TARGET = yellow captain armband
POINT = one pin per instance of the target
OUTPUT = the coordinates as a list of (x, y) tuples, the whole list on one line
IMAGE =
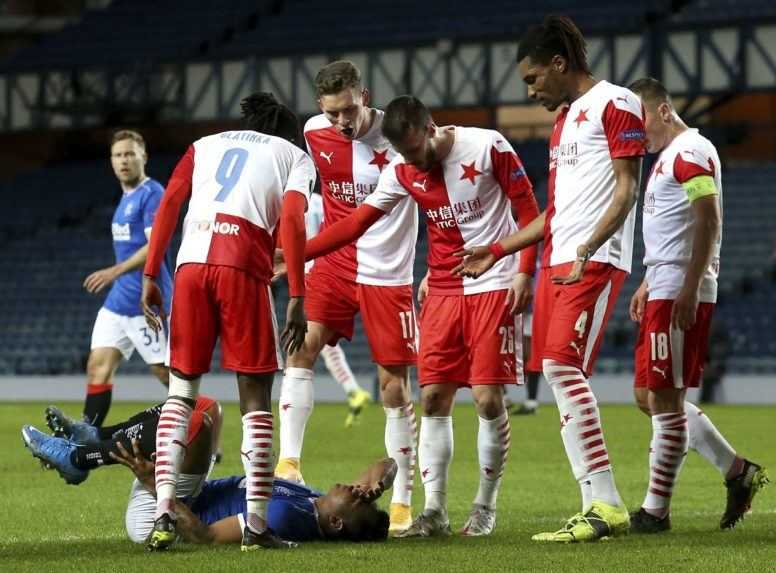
[(700, 186)]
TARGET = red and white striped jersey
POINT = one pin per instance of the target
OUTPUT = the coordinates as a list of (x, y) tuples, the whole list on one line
[(668, 217), (606, 123), (467, 200), (349, 171), (237, 187)]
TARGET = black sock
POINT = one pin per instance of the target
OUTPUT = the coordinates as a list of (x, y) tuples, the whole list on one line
[(92, 456), (97, 403), (107, 432), (533, 385)]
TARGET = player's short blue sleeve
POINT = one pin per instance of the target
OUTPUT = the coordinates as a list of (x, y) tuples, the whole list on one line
[(151, 203)]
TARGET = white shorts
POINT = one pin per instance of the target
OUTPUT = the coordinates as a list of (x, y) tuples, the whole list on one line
[(139, 519), (127, 333)]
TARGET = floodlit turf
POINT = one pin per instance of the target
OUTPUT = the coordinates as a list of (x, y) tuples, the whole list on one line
[(48, 526)]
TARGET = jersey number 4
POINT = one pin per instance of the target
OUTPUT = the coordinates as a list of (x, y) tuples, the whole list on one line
[(229, 170)]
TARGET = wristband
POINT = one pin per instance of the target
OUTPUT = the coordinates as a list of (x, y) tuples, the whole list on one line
[(497, 250)]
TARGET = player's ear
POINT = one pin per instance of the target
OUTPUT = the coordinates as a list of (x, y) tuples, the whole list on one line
[(559, 63), (336, 522), (365, 97)]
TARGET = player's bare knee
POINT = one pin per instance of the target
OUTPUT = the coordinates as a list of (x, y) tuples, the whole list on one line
[(642, 400), (489, 403), (436, 402), (99, 370), (161, 372), (394, 389)]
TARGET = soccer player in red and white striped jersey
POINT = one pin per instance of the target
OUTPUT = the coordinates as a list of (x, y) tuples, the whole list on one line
[(595, 160), (674, 305), (471, 186), (371, 276), (239, 185)]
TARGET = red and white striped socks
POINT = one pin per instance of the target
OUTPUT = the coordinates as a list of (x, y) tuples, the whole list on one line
[(170, 447), (338, 367), (296, 406), (493, 441), (435, 452), (400, 428), (256, 455), (667, 454), (580, 429)]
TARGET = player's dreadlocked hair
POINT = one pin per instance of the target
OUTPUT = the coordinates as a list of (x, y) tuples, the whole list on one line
[(402, 114), (262, 112), (556, 36)]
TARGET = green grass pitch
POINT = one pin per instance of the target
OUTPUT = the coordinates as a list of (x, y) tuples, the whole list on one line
[(47, 526)]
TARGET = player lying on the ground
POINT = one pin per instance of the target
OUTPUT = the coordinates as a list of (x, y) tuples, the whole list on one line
[(217, 514), (674, 306), (78, 447)]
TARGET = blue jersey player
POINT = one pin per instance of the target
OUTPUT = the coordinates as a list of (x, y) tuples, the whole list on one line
[(120, 328), (216, 514)]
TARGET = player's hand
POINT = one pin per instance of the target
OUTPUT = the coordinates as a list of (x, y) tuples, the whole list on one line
[(577, 269), (519, 295), (423, 290), (99, 280), (639, 302), (684, 310), (476, 261), (372, 491), (152, 304), (137, 462), (278, 265), (294, 333)]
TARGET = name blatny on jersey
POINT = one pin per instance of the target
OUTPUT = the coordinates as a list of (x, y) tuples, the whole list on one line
[(246, 136), (349, 192), (449, 216), (564, 155)]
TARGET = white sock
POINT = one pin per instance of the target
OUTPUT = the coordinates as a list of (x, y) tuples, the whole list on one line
[(170, 448), (493, 441), (400, 430), (586, 491), (533, 404), (256, 455), (338, 367), (295, 405), (435, 452), (669, 443), (581, 430), (707, 441)]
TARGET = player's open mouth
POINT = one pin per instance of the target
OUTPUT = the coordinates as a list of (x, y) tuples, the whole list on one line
[(347, 131)]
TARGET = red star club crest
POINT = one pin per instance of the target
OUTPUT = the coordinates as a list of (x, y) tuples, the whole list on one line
[(469, 172), (380, 159), (581, 118)]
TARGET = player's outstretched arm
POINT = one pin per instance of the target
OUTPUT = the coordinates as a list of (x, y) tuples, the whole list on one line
[(292, 236), (192, 529), (376, 479), (627, 174), (477, 260), (177, 193), (343, 232)]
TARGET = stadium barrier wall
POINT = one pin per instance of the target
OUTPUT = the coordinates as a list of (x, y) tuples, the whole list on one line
[(609, 388)]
